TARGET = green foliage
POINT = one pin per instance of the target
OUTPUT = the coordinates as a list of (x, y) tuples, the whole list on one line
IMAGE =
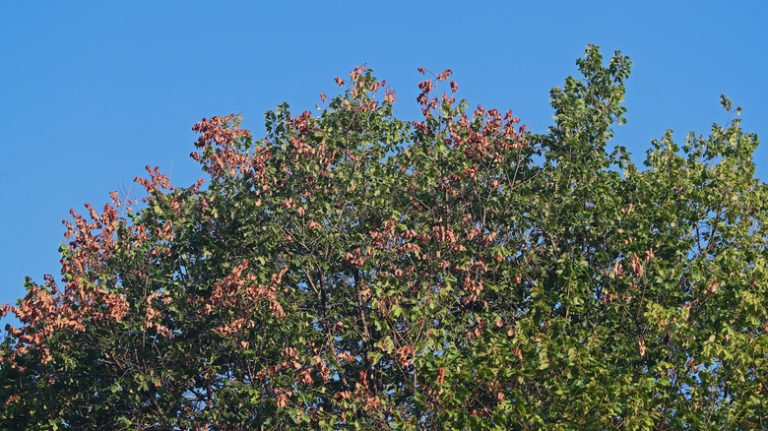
[(356, 271)]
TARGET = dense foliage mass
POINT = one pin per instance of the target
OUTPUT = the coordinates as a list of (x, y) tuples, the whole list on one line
[(355, 271)]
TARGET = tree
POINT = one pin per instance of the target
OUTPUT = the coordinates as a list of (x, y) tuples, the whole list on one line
[(352, 270)]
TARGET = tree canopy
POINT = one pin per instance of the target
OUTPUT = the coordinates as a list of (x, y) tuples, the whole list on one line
[(353, 270)]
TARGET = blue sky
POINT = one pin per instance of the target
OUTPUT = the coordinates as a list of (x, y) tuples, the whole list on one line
[(92, 91)]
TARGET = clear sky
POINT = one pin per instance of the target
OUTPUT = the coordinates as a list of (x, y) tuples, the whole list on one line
[(92, 91)]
